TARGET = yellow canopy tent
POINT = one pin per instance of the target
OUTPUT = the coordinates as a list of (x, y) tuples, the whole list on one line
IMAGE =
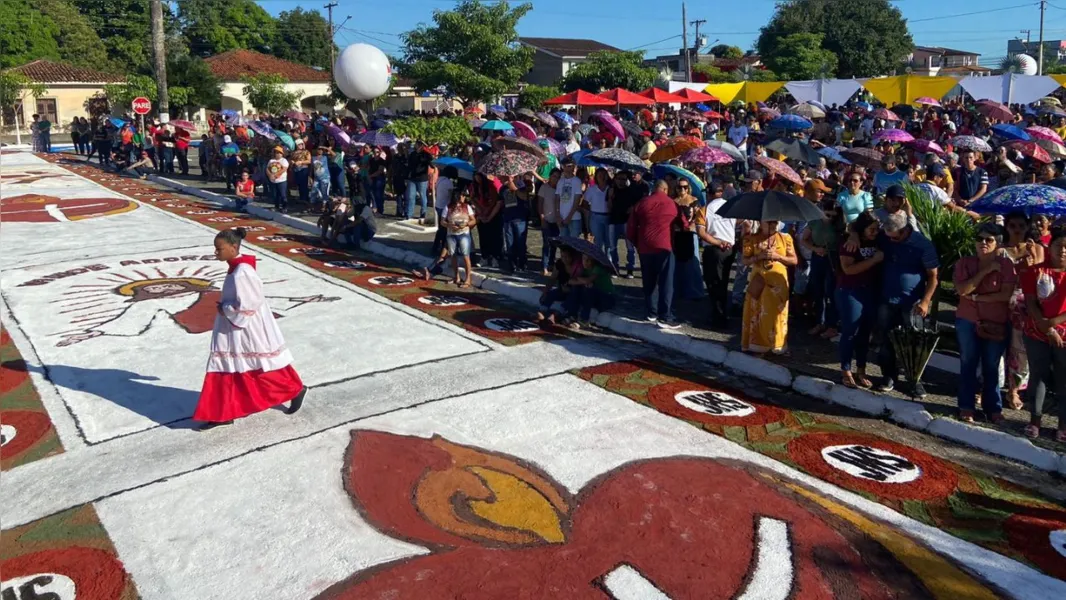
[(747, 91), (905, 88), (725, 92)]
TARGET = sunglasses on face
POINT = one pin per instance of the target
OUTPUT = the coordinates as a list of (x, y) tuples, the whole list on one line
[(986, 240), (856, 181), (682, 187)]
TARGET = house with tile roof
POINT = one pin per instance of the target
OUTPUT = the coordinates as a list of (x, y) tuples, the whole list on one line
[(234, 66), (554, 57), (66, 89)]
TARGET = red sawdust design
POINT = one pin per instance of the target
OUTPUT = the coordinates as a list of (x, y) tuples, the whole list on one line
[(33, 208), (21, 408), (663, 397), (1030, 535), (614, 368)]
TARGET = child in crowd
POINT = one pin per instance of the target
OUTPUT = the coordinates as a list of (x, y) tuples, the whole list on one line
[(566, 267), (593, 288), (320, 175)]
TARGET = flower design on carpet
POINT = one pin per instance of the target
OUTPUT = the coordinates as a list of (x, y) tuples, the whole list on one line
[(37, 208), (498, 527), (26, 431)]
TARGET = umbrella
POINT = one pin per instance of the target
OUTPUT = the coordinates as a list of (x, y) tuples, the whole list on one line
[(600, 113), (586, 128), (379, 124), (545, 118), (286, 140), (1010, 132), (525, 112), (904, 110), (728, 148), (884, 113), (713, 115), (1057, 151), (384, 112), (1032, 150), (969, 142), (674, 147), (612, 125), (564, 118), (376, 137), (692, 96), (769, 205), (262, 129), (1043, 133), (863, 156), (691, 115), (1053, 110), (297, 115), (703, 107), (619, 159), (117, 122), (864, 105), (660, 171), (780, 169), (794, 149), (791, 123), (1030, 198), (1050, 100), (896, 136), (623, 97), (338, 134), (769, 113), (229, 112), (362, 116), (834, 155), (186, 125), (580, 98), (463, 168), (632, 128), (518, 144), (554, 146), (524, 130), (496, 109), (808, 111), (995, 110), (926, 146), (476, 123), (913, 346), (510, 163), (581, 158), (586, 248), (707, 155), (497, 126), (927, 101)]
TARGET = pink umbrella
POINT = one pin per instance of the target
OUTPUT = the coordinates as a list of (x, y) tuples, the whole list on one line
[(524, 130), (926, 146), (297, 116), (612, 125), (707, 155), (600, 113), (896, 136), (780, 169), (884, 113), (339, 134), (1040, 133), (190, 127), (926, 100)]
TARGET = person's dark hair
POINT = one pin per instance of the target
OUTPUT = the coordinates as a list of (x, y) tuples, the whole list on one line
[(1057, 233), (991, 229), (861, 222), (233, 236), (838, 219), (554, 171)]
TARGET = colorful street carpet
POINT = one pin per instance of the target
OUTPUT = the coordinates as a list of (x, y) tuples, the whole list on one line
[(26, 433)]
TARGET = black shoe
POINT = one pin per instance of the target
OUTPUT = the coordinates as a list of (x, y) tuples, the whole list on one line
[(918, 391), (213, 424), (669, 324), (886, 385), (297, 402)]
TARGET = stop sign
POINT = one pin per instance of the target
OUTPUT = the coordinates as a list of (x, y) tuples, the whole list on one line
[(142, 105)]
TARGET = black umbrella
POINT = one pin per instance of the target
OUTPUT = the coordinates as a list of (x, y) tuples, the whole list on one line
[(795, 149), (587, 248), (632, 128), (863, 156), (770, 206)]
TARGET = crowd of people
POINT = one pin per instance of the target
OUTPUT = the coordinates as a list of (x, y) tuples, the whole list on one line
[(862, 270)]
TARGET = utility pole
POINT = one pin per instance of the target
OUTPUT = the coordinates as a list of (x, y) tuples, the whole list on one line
[(1040, 53), (332, 52), (684, 40), (696, 42), (159, 60)]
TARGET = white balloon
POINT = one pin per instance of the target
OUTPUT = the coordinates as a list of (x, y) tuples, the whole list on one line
[(362, 72), (1028, 64)]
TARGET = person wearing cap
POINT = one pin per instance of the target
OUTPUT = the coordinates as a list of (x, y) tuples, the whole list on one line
[(985, 283), (853, 199), (896, 201), (908, 280), (717, 235), (647, 148), (230, 153)]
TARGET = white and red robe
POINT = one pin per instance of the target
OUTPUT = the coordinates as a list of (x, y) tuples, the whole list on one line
[(250, 368)]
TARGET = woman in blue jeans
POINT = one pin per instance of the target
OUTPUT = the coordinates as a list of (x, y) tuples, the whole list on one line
[(985, 283), (857, 297)]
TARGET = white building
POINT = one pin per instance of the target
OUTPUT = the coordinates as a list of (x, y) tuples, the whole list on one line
[(233, 66)]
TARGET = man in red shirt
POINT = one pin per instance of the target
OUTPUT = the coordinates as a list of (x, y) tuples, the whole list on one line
[(650, 228)]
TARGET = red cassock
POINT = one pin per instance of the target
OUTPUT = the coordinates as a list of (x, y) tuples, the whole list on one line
[(250, 368)]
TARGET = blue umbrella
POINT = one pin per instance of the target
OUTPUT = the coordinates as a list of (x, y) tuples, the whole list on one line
[(229, 112), (562, 117), (581, 159), (1011, 132), (864, 105), (497, 109), (703, 107), (833, 154), (465, 169), (661, 170), (286, 140), (791, 122), (1029, 198), (378, 123), (497, 126), (117, 122), (626, 113), (376, 137)]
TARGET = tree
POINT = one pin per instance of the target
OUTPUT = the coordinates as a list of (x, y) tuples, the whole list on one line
[(216, 26), (471, 51), (800, 56), (267, 94), (453, 131), (609, 69), (869, 37), (26, 34), (121, 95), (191, 73), (15, 88), (298, 41), (78, 42), (533, 96), (124, 28), (744, 73), (726, 51)]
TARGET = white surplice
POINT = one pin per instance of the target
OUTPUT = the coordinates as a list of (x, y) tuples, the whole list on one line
[(246, 337)]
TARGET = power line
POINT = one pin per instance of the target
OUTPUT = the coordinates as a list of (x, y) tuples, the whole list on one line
[(673, 37), (967, 14)]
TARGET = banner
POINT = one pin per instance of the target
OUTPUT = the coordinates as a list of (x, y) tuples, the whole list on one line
[(747, 92), (1010, 88), (905, 88), (826, 91)]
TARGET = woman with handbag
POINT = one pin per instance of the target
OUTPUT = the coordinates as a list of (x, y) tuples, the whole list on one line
[(1044, 287), (985, 283)]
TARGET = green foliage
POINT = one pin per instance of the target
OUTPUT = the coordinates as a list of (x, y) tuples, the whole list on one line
[(303, 37), (744, 73), (125, 30), (952, 232), (726, 51), (15, 88), (534, 96), (25, 34), (453, 131), (121, 95), (713, 73), (267, 94), (197, 84), (800, 56), (607, 70), (216, 26), (869, 37), (472, 51), (78, 42)]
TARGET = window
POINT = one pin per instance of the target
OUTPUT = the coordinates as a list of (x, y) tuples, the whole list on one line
[(46, 107)]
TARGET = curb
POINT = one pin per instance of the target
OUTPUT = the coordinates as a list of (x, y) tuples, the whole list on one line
[(902, 412)]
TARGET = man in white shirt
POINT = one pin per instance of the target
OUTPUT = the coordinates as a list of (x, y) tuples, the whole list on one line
[(718, 236), (568, 195), (738, 136)]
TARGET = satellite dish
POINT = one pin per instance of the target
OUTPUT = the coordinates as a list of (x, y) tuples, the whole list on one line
[(1027, 63)]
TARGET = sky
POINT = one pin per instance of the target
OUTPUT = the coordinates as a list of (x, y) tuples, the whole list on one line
[(981, 26)]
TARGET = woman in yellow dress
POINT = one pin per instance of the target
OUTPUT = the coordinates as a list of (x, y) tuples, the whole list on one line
[(768, 253)]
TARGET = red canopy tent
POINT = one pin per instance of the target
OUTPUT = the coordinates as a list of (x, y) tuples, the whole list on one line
[(623, 97), (694, 97), (580, 98), (662, 96)]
